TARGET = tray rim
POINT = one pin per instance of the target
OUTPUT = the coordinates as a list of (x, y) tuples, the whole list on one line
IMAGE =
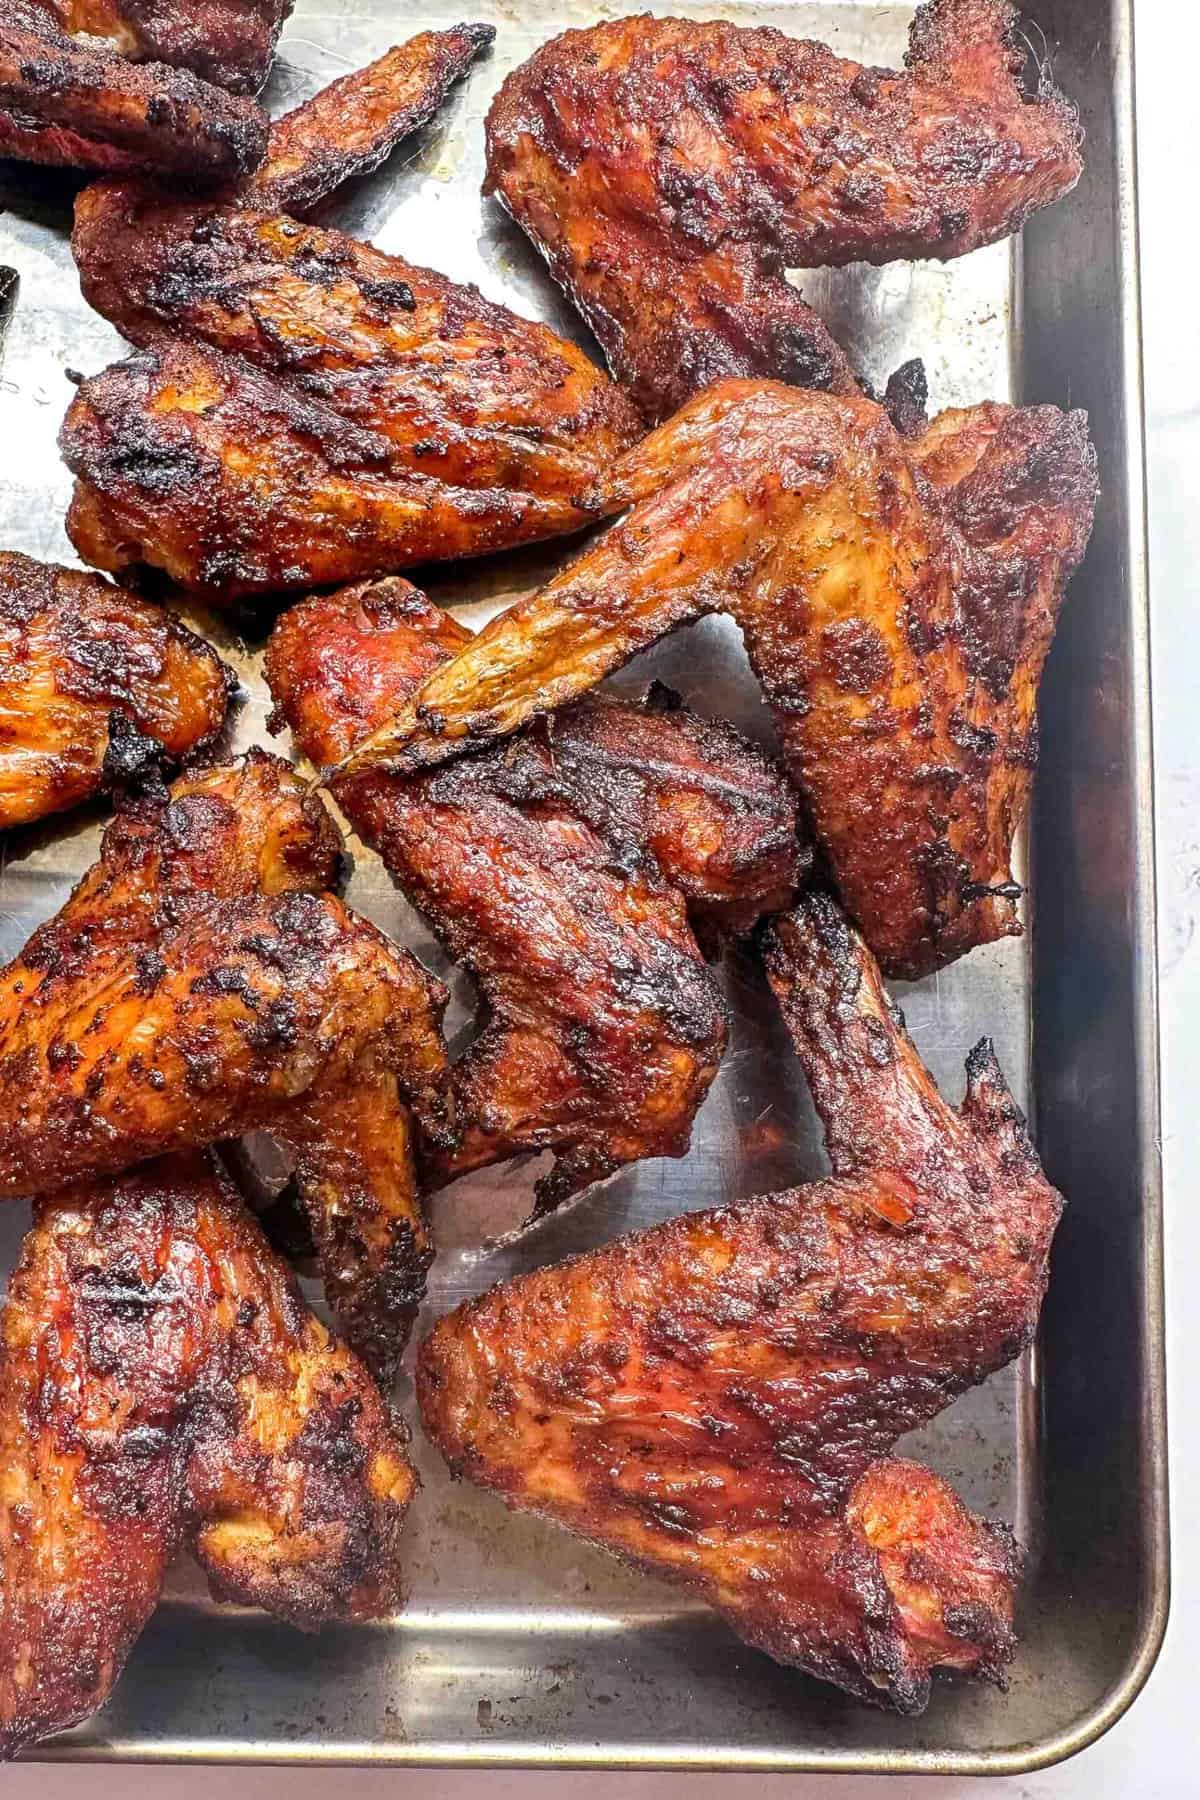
[(1101, 1716)]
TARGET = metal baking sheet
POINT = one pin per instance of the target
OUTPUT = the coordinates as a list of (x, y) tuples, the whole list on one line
[(517, 1644)]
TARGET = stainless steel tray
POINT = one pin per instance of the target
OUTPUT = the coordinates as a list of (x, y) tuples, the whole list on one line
[(517, 1644)]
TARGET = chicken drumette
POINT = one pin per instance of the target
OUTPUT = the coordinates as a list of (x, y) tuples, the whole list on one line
[(94, 684), (561, 871), (716, 1399), (201, 983), (898, 598), (162, 1384), (307, 409), (669, 170)]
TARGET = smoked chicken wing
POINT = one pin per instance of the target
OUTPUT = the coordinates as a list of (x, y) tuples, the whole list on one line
[(201, 983), (85, 106), (348, 128), (669, 170), (163, 1385), (229, 42), (560, 870), (716, 1399), (898, 599), (307, 409), (93, 683)]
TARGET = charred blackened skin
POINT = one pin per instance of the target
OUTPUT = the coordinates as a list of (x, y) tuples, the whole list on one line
[(569, 871), (350, 127), (164, 1386), (898, 598), (200, 983), (717, 1399), (906, 398), (84, 105), (96, 687), (670, 170), (388, 416), (229, 42)]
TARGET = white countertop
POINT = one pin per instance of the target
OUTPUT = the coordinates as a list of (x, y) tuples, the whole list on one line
[(1154, 1754)]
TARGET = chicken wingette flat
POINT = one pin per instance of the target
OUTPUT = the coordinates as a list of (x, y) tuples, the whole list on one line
[(85, 106), (307, 409), (897, 597), (162, 1386), (560, 870), (201, 983), (94, 683), (229, 42), (670, 170), (717, 1399)]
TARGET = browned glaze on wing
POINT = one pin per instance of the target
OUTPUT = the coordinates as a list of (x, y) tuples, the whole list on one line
[(87, 107), (235, 482), (106, 1061), (201, 983), (344, 130), (559, 870), (162, 1384), (897, 597), (314, 410), (229, 42), (670, 170), (351, 126), (356, 1180), (716, 1399), (469, 424), (92, 682)]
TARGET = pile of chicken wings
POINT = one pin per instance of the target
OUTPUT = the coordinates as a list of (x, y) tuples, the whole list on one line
[(304, 417)]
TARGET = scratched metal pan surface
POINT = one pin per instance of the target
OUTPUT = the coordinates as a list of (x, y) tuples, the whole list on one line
[(518, 1645)]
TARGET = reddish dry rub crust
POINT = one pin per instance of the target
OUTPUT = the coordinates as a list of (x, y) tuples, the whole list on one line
[(344, 130), (898, 598), (204, 1036), (670, 170), (460, 431), (93, 682), (313, 410), (163, 1385), (201, 983), (88, 108), (716, 1399), (357, 1182), (559, 870), (351, 126), (423, 376), (229, 42)]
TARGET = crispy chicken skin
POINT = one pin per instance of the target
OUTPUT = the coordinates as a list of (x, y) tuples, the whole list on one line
[(309, 410), (93, 682), (235, 482), (716, 1399), (559, 870), (669, 170), (105, 1061), (229, 42), (343, 131), (351, 126), (898, 599), (162, 1385), (356, 1180), (200, 983), (88, 108)]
